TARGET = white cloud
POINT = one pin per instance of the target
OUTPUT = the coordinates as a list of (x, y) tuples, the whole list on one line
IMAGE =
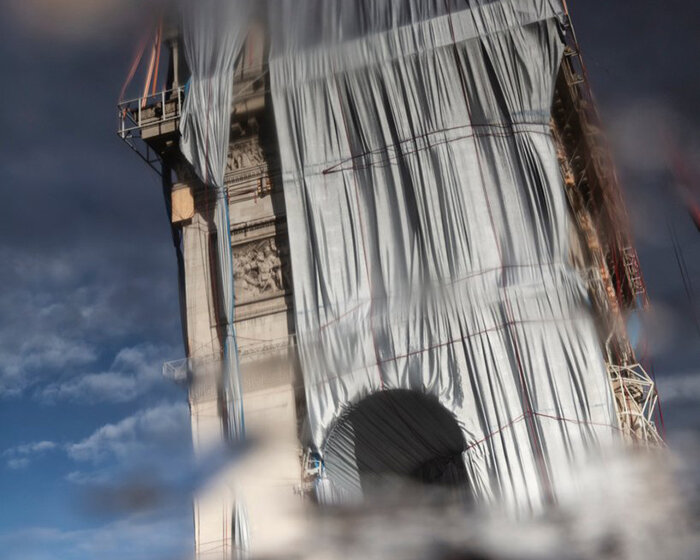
[(136, 438), (18, 463), (81, 478), (23, 364), (133, 372), (20, 456), (145, 454), (35, 447), (156, 437), (59, 309)]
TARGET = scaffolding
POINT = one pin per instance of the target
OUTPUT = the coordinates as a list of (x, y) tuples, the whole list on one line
[(144, 119), (615, 282)]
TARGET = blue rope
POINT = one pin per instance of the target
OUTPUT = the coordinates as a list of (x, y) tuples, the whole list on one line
[(231, 354)]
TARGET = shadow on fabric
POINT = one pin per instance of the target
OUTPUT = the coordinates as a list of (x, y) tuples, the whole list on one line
[(395, 436)]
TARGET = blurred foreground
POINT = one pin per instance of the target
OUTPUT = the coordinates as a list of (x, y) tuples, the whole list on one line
[(642, 505)]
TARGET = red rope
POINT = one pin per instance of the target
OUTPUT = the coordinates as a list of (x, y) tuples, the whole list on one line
[(576, 421), (495, 432), (134, 64), (159, 39), (507, 133), (149, 73)]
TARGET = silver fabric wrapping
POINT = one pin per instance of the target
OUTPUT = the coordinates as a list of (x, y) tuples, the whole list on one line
[(213, 33), (428, 229)]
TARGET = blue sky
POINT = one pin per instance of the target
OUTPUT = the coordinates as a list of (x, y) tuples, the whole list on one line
[(88, 305)]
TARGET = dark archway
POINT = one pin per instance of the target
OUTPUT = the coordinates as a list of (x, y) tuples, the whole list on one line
[(395, 434)]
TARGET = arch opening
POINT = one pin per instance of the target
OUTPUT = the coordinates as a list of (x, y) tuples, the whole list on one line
[(396, 435)]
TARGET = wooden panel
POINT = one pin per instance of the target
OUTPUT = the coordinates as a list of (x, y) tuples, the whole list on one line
[(183, 203)]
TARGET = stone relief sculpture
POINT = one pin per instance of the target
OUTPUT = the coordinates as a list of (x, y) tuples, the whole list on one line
[(244, 155), (258, 270)]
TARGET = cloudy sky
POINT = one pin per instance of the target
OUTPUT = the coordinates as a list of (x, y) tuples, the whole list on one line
[(88, 304)]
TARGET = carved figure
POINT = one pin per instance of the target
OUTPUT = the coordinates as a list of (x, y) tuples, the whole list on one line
[(258, 270)]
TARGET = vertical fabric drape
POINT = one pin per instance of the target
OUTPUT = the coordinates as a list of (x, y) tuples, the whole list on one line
[(428, 229), (214, 32)]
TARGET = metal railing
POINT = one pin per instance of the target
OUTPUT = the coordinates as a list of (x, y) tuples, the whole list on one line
[(149, 112), (177, 370), (135, 114), (165, 106), (153, 110)]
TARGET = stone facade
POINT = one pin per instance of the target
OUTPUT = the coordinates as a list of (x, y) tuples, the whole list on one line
[(267, 482)]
